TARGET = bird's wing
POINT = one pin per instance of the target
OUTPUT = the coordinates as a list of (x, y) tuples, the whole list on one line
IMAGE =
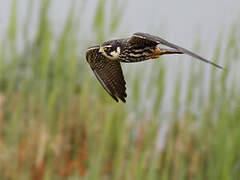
[(139, 41), (145, 38), (108, 72)]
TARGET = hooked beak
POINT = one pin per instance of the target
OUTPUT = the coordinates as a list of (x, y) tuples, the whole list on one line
[(101, 50)]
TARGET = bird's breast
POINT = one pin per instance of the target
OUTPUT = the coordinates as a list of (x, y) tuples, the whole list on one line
[(136, 54)]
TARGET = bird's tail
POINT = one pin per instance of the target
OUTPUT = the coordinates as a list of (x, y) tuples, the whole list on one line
[(158, 52), (169, 51)]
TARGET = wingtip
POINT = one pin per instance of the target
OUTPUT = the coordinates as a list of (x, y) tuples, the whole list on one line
[(123, 100), (217, 66), (224, 69), (116, 99)]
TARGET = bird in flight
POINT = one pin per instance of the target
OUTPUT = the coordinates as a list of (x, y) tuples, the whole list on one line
[(105, 59)]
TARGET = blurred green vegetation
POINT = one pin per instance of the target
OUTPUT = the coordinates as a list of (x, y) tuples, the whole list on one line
[(57, 122)]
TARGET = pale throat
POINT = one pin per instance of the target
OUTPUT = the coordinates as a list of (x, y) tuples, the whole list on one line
[(114, 54)]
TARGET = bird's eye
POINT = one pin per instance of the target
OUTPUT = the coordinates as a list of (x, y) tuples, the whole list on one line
[(107, 48)]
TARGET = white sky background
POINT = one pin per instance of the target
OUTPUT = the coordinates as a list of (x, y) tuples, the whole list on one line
[(177, 17), (180, 21)]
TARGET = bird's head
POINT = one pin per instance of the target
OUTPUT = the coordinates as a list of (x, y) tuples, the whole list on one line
[(110, 49)]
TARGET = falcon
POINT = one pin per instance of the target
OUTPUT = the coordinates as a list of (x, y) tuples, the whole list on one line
[(105, 59)]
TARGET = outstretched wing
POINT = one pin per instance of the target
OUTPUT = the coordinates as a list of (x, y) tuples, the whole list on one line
[(108, 72), (146, 39)]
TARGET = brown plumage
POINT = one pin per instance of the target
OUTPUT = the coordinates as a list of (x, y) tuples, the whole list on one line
[(105, 60), (108, 72)]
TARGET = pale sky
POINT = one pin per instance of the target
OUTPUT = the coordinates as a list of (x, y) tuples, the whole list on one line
[(176, 18)]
